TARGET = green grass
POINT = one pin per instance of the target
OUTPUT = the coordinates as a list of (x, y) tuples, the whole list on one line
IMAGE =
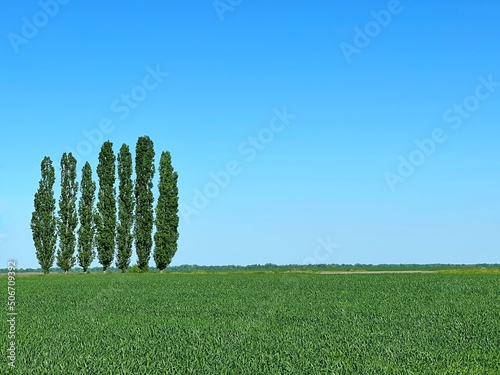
[(257, 323), (472, 271)]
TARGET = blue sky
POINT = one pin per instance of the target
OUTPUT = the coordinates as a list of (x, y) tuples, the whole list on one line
[(340, 132)]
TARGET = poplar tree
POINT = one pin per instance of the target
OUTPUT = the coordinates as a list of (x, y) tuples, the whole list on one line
[(68, 216), (105, 217), (86, 209), (43, 218), (125, 208), (144, 172), (167, 218)]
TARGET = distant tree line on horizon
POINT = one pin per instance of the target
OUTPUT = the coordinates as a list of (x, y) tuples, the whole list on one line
[(113, 222), (287, 267)]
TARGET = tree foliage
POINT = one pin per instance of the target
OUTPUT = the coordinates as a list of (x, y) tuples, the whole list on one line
[(86, 209), (108, 222), (43, 218), (143, 228), (105, 217), (167, 219), (68, 216), (125, 209)]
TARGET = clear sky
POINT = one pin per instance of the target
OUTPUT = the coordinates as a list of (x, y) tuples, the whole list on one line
[(302, 131)]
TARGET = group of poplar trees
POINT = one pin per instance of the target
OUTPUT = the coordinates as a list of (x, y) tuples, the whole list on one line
[(113, 222)]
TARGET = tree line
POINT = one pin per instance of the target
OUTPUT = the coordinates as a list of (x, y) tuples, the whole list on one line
[(113, 221)]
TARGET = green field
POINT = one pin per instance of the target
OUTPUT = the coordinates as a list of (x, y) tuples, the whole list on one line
[(256, 323)]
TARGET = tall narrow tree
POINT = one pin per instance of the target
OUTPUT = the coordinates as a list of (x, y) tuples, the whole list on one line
[(144, 172), (125, 208), (167, 218), (105, 217), (68, 216), (43, 218), (86, 231)]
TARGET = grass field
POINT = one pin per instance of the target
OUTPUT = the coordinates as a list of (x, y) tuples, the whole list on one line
[(256, 323)]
